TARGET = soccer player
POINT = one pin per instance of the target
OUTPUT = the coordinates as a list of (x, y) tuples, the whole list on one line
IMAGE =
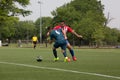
[(60, 41), (66, 29), (34, 40)]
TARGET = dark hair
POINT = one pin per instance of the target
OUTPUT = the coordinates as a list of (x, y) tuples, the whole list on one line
[(62, 21), (48, 28)]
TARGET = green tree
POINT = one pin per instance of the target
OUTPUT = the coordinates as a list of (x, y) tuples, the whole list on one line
[(25, 30), (98, 37), (7, 28), (46, 21), (84, 16), (8, 12), (111, 36)]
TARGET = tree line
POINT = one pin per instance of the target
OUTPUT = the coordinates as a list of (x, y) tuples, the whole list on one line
[(86, 17)]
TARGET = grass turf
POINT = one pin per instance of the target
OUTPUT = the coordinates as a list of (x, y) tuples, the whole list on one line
[(100, 61)]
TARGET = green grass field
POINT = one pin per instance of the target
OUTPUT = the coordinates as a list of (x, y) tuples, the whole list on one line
[(91, 64)]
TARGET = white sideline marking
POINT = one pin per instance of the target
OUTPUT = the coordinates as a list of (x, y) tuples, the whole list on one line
[(65, 70)]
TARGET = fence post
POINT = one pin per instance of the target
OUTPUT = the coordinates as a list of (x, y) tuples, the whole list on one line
[(0, 43)]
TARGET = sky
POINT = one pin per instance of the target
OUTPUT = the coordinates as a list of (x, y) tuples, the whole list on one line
[(47, 6)]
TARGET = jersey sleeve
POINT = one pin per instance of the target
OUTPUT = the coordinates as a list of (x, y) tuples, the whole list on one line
[(51, 36), (56, 27), (69, 29)]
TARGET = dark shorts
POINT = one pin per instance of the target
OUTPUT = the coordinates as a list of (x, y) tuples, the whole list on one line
[(60, 44), (67, 41), (34, 42)]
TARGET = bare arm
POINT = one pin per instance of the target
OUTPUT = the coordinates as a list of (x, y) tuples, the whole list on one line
[(79, 36), (64, 33)]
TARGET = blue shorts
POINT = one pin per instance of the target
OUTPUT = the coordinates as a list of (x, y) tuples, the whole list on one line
[(67, 41), (61, 44)]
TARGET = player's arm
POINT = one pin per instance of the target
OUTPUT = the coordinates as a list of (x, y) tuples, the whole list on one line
[(48, 34), (51, 39), (73, 32), (64, 33), (37, 40), (76, 34)]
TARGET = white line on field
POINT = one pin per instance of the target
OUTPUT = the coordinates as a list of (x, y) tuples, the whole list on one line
[(65, 70)]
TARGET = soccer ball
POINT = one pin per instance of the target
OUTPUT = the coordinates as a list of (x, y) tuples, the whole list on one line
[(39, 59)]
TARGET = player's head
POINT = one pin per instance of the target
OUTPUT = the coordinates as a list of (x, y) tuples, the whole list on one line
[(49, 29), (62, 23), (34, 34)]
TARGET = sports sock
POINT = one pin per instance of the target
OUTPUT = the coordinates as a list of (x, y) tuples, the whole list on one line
[(64, 53), (71, 52), (55, 53), (34, 46)]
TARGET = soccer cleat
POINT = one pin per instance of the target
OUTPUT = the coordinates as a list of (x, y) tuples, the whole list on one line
[(74, 58), (67, 59), (56, 59)]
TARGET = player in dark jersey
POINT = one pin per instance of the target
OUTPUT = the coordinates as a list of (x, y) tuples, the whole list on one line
[(60, 41)]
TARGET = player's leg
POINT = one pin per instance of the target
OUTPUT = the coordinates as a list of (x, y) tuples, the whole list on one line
[(35, 44), (64, 53), (55, 46), (71, 51), (63, 47), (66, 59)]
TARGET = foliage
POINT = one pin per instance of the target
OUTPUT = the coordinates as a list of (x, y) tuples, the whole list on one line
[(24, 30), (7, 28), (46, 21), (8, 11), (85, 16), (112, 36)]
